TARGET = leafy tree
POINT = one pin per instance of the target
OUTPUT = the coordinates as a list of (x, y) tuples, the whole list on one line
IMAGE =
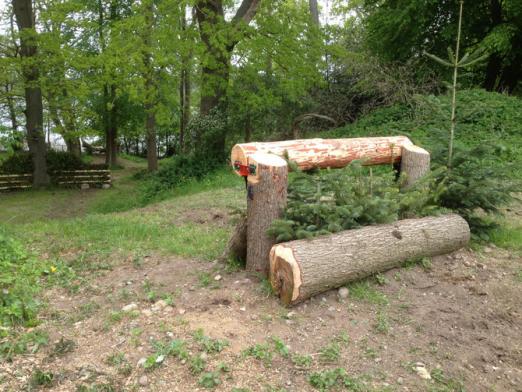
[(23, 11), (399, 30)]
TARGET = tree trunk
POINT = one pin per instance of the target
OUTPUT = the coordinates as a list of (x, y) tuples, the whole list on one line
[(152, 153), (33, 95), (324, 153), (303, 268), (184, 90), (415, 164), (215, 66), (314, 11), (150, 90), (237, 244), (266, 200), (11, 108)]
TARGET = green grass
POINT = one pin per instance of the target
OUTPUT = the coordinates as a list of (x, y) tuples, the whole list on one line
[(133, 158), (364, 291), (507, 236)]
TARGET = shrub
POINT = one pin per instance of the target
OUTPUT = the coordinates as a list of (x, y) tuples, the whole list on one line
[(488, 148), (21, 162), (19, 276), (333, 200), (177, 171)]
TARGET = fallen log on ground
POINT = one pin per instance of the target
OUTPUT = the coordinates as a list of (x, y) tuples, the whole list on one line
[(266, 200), (325, 153), (300, 269)]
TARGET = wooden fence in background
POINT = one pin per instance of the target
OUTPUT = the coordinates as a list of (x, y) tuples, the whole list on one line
[(85, 178)]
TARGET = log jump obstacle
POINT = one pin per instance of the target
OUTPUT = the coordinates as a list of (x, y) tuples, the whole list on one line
[(300, 269)]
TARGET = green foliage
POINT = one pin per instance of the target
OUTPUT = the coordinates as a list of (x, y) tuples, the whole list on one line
[(335, 378), (177, 171), (14, 343), (364, 291), (335, 200), (260, 351), (21, 162), (281, 347), (303, 361), (330, 353), (209, 380), (41, 378), (487, 148), (208, 344), (19, 283), (197, 364)]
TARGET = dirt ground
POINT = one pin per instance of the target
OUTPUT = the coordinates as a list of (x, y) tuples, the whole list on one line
[(461, 316), (452, 325)]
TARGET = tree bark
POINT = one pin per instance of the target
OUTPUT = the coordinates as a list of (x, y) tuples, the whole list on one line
[(150, 90), (184, 89), (215, 65), (237, 244), (415, 164), (324, 153), (23, 11), (303, 268), (314, 11), (11, 108), (266, 200)]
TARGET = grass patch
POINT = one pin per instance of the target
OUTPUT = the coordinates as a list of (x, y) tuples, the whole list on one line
[(108, 233), (507, 236), (364, 291)]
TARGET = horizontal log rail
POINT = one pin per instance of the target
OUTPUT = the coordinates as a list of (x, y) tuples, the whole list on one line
[(323, 153)]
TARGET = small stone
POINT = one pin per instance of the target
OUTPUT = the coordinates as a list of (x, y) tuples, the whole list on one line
[(343, 293), (400, 380), (182, 311), (142, 361), (168, 309), (203, 356), (288, 383), (129, 307), (422, 372), (217, 278), (323, 299), (160, 359), (290, 315), (487, 249), (242, 308), (106, 186), (161, 304), (331, 309), (143, 380), (170, 334)]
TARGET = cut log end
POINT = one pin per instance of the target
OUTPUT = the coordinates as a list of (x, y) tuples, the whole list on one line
[(268, 162), (285, 274)]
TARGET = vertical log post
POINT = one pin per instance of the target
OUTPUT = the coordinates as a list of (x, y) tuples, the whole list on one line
[(266, 200), (415, 163)]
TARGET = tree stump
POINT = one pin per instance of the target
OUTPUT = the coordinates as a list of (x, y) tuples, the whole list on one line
[(326, 153), (300, 269), (266, 200), (415, 164), (237, 243)]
